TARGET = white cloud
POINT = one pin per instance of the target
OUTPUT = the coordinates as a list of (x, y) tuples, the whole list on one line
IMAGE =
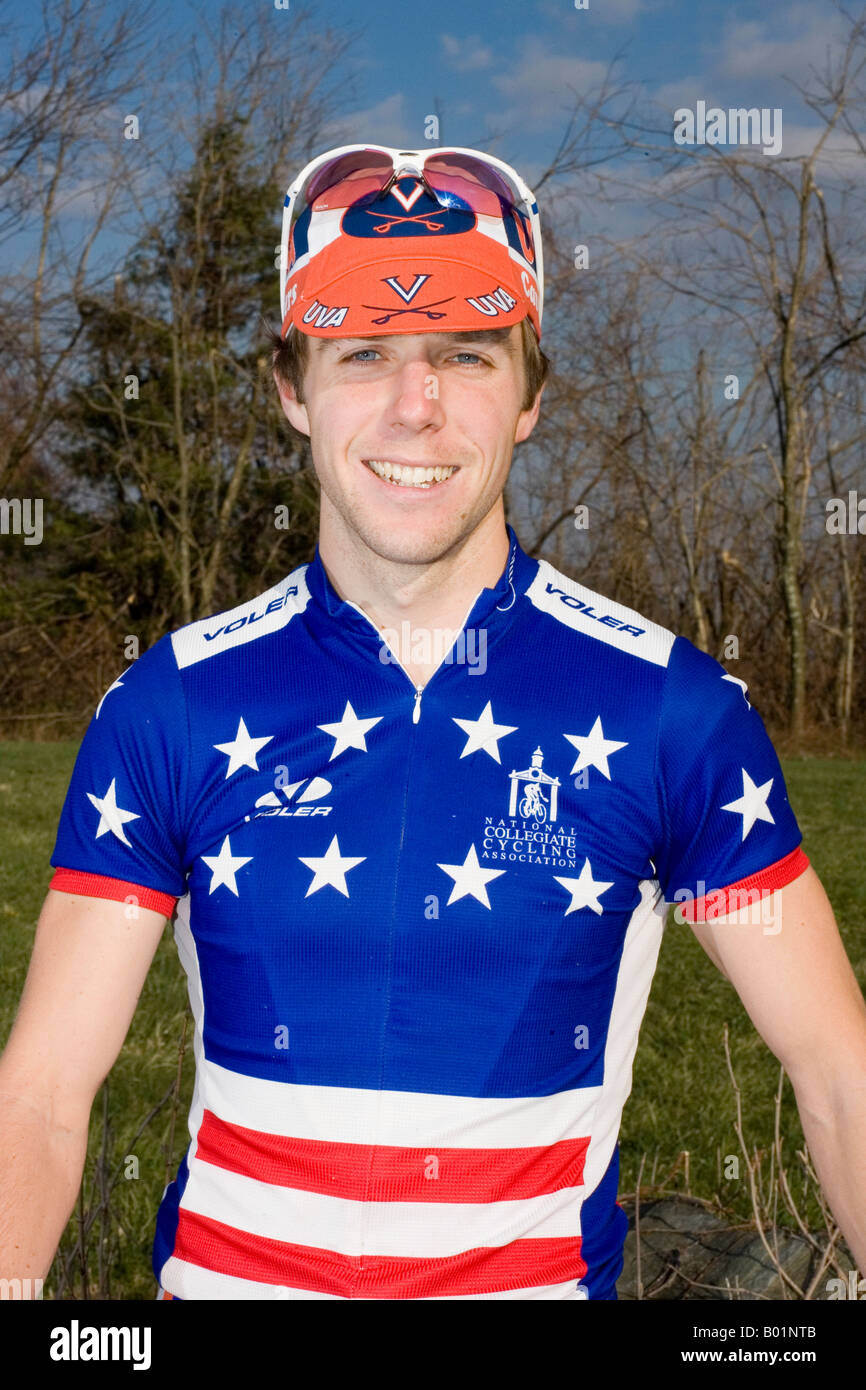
[(466, 53), (787, 43), (541, 85), (839, 154), (384, 123), (616, 11), (683, 91)]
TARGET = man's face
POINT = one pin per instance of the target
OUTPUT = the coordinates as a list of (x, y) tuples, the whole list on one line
[(392, 405)]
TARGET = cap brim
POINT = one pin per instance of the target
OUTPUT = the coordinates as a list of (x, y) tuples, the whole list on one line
[(413, 292)]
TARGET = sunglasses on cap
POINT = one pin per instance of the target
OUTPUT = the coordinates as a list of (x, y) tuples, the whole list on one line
[(340, 177)]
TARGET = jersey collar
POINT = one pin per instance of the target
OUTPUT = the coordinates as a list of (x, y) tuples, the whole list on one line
[(492, 605)]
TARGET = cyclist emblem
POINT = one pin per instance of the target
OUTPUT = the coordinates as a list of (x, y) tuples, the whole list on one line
[(533, 804), (529, 784)]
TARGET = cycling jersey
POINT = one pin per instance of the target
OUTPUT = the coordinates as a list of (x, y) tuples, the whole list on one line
[(419, 926)]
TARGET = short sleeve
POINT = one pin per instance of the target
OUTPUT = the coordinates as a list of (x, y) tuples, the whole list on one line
[(729, 833), (123, 817)]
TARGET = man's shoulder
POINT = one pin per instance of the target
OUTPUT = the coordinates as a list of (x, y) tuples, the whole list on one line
[(584, 611), (693, 678), (258, 617)]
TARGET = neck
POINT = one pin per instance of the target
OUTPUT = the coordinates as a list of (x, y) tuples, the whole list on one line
[(435, 595)]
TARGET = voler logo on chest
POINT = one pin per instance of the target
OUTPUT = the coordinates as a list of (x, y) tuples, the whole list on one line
[(295, 799)]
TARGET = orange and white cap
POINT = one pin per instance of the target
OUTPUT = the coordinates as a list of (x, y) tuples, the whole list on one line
[(388, 241)]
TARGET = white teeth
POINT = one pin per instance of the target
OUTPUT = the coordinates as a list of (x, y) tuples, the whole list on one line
[(405, 475)]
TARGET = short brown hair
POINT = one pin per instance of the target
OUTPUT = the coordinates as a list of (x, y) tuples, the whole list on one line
[(291, 356)]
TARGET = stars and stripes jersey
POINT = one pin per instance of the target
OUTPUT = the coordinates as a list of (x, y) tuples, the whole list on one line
[(419, 926)]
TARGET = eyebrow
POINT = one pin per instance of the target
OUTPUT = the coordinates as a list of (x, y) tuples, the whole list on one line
[(492, 336)]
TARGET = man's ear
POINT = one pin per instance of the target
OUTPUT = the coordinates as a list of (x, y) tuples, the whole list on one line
[(294, 411), (527, 419)]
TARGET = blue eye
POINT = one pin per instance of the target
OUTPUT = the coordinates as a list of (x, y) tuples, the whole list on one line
[(365, 355)]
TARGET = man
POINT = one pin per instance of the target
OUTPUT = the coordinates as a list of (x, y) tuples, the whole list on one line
[(419, 894)]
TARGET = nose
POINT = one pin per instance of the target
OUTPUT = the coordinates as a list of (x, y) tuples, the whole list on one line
[(415, 403)]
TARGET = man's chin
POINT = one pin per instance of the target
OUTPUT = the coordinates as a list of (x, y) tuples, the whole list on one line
[(419, 544)]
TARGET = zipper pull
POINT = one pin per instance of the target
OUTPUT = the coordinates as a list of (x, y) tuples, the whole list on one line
[(416, 713)]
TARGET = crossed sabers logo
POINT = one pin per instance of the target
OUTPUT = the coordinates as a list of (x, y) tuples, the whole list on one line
[(408, 201), (407, 296)]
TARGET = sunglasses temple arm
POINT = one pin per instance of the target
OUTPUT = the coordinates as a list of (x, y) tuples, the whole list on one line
[(539, 257)]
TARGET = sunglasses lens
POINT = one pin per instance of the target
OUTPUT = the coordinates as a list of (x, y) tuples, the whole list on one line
[(343, 180), (484, 188), (355, 175), (473, 175)]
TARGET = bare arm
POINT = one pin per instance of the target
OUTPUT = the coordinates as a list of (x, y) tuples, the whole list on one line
[(87, 970), (796, 982)]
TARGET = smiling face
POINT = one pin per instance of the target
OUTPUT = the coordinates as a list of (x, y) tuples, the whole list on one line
[(412, 437)]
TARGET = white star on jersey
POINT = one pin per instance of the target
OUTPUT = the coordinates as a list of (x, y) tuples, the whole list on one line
[(330, 869), (224, 866), (752, 805), (483, 733), (349, 732), (110, 815), (594, 749), (242, 751), (470, 878), (735, 680), (115, 685), (585, 891)]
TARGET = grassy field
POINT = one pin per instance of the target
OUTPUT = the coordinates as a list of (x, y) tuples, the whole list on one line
[(33, 781), (681, 1099)]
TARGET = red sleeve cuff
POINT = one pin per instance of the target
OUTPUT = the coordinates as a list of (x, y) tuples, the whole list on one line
[(753, 889), (98, 886)]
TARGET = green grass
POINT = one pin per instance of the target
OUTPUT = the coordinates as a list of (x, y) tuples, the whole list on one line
[(33, 781), (681, 1098)]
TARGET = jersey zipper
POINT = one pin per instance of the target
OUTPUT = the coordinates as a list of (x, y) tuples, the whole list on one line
[(357, 1285), (419, 689), (363, 1254)]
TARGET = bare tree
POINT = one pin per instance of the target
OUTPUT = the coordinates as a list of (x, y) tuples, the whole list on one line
[(61, 157), (754, 244)]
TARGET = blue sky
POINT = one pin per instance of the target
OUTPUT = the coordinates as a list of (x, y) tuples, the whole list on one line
[(508, 70), (504, 72), (504, 75)]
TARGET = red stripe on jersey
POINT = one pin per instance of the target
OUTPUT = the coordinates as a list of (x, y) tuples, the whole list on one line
[(385, 1173), (486, 1269), (98, 886), (749, 890)]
